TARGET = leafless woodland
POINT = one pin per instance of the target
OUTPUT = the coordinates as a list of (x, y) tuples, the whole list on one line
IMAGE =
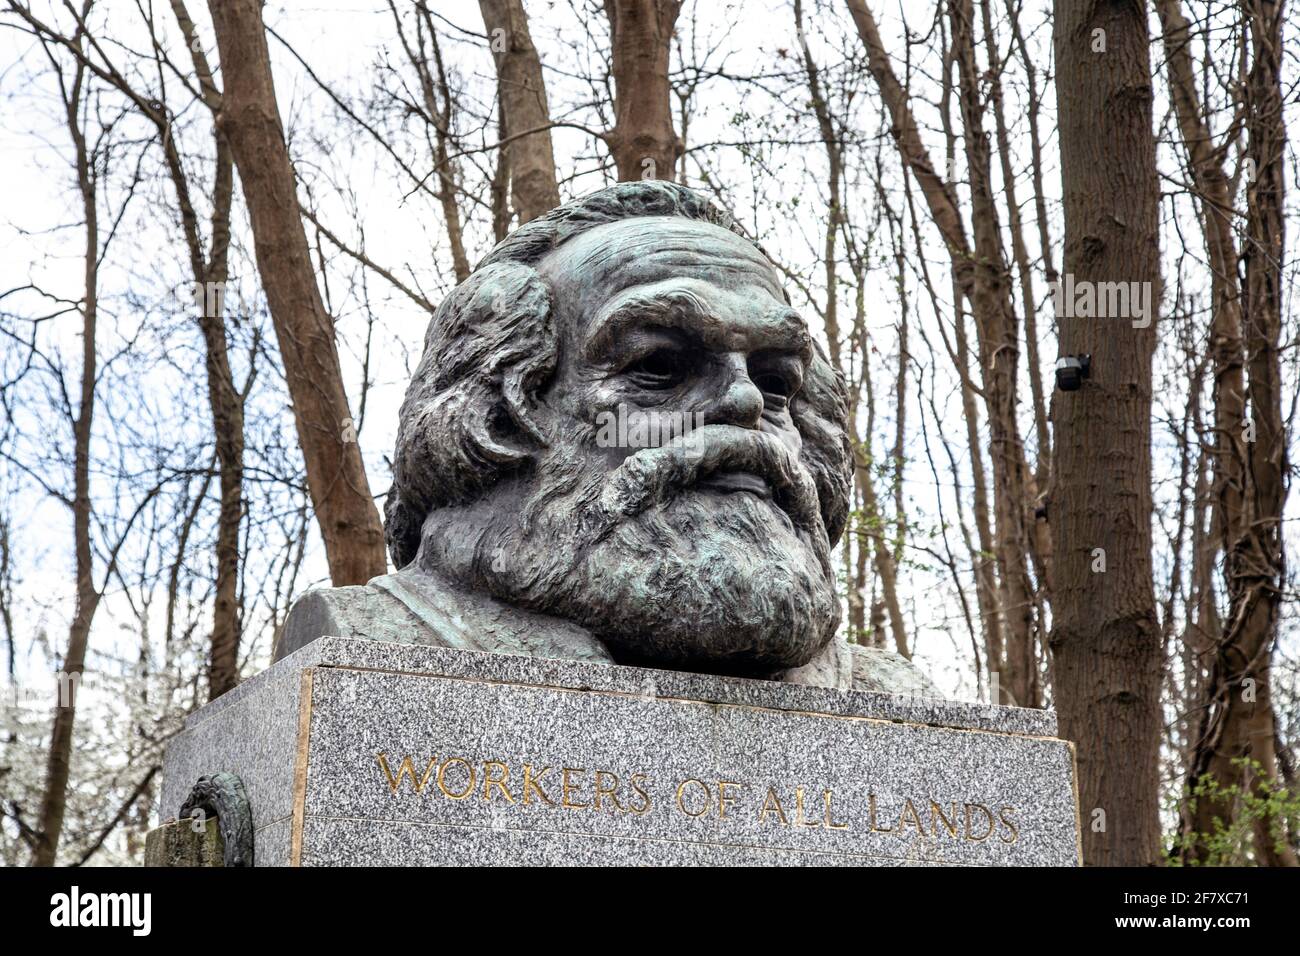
[(225, 227)]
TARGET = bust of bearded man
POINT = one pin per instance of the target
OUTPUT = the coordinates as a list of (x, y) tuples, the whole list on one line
[(622, 444)]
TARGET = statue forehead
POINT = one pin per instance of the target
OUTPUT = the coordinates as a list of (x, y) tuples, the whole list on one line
[(609, 258)]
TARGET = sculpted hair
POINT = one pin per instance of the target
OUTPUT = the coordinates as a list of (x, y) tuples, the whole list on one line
[(492, 346)]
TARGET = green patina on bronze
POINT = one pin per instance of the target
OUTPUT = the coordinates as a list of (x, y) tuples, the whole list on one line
[(521, 522)]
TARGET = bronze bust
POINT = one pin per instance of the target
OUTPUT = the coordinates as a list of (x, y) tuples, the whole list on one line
[(621, 444)]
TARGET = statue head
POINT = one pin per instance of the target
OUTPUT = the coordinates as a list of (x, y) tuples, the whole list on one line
[(619, 420)]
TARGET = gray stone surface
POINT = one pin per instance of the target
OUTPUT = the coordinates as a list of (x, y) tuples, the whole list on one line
[(986, 785), (271, 844), (575, 675), (253, 733)]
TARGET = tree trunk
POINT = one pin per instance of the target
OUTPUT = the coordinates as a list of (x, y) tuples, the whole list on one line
[(500, 186), (438, 107), (885, 558), (1035, 141), (981, 275), (1105, 637), (447, 173), (643, 141), (1211, 182), (1239, 723), (999, 359), (54, 798), (522, 92), (224, 399), (983, 563), (1019, 250), (227, 406), (336, 477)]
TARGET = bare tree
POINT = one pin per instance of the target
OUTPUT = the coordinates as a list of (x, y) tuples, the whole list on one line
[(225, 399), (1020, 251), (981, 276), (54, 800), (250, 120), (526, 117), (1235, 743), (643, 140), (88, 162), (1105, 635), (438, 112), (885, 556), (999, 342)]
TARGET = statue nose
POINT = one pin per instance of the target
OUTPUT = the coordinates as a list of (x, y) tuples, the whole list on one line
[(740, 401)]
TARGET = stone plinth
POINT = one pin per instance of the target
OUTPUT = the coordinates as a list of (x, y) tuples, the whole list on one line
[(359, 752)]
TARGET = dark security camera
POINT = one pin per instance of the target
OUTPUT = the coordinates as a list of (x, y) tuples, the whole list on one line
[(1071, 370)]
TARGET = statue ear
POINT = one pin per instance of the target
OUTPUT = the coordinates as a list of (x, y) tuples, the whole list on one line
[(512, 312), (518, 383), (467, 415)]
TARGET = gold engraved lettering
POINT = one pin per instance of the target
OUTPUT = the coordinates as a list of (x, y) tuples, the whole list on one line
[(1015, 832), (406, 769), (681, 805), (442, 773), (495, 774), (937, 815), (635, 782), (772, 804), (725, 800), (826, 818), (909, 809), (532, 785), (871, 800), (799, 821), (987, 816), (566, 788), (606, 791)]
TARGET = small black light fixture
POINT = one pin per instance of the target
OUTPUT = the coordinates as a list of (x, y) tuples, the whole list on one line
[(1071, 370)]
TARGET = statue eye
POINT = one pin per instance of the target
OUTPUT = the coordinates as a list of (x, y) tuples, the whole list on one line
[(662, 368), (774, 384)]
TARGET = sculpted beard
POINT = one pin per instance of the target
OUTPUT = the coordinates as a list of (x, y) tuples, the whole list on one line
[(660, 568)]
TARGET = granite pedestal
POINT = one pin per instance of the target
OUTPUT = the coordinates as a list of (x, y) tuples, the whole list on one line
[(360, 752)]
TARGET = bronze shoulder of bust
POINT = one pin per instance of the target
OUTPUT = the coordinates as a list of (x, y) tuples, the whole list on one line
[(413, 608), (408, 612)]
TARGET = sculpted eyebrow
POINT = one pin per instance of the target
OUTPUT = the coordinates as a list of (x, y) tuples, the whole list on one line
[(678, 309), (789, 331), (683, 310)]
